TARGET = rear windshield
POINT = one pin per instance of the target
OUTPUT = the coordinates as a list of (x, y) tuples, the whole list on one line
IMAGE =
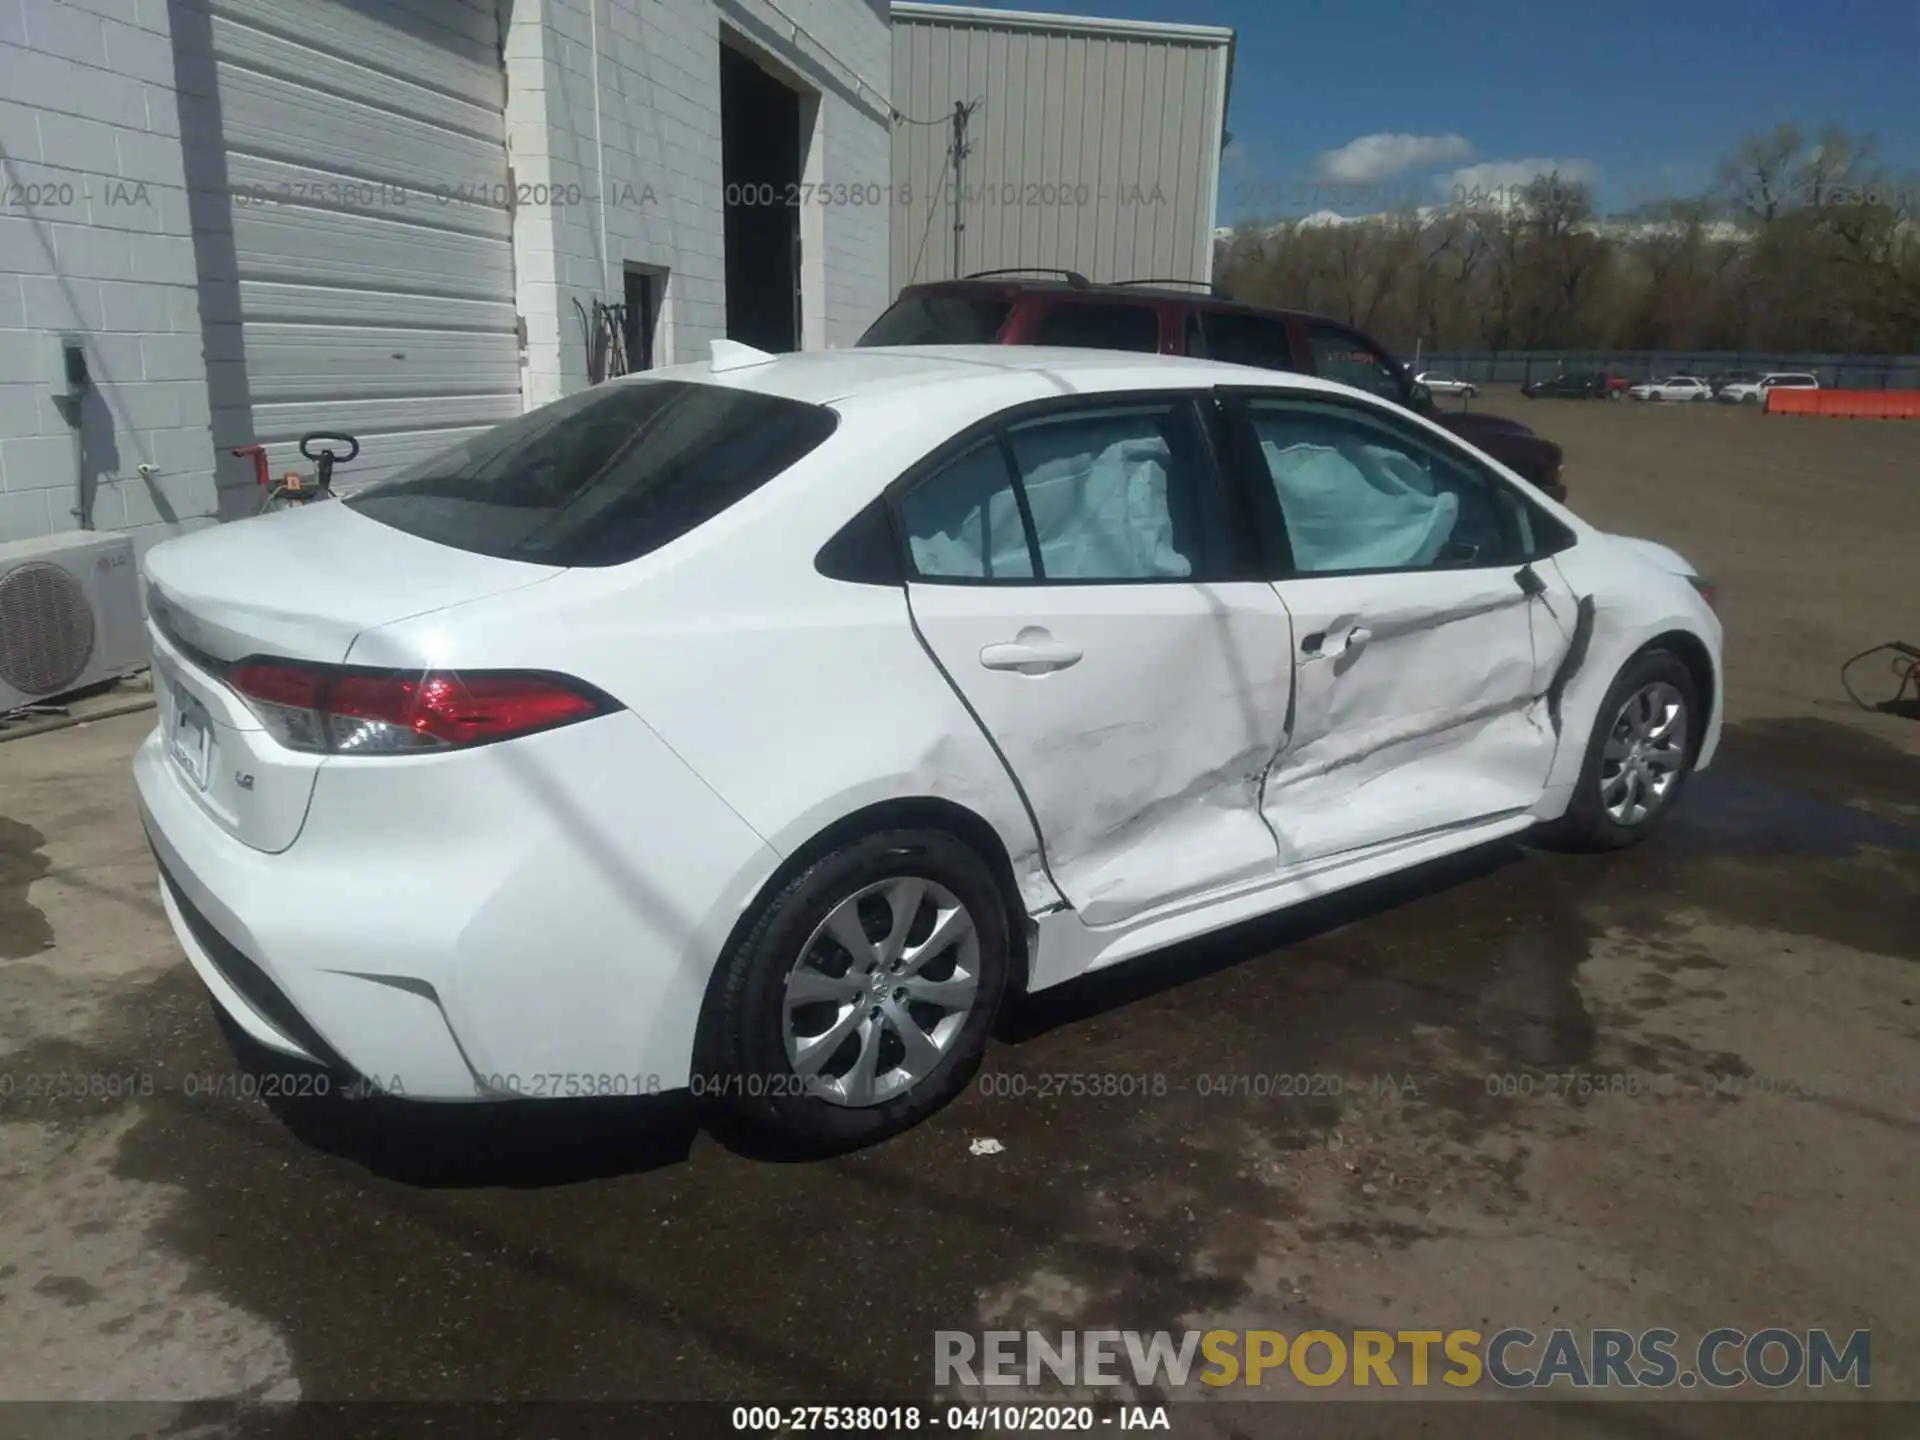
[(601, 477), (940, 320)]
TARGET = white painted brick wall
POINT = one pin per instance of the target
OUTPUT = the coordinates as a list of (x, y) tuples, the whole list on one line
[(659, 151), (87, 101)]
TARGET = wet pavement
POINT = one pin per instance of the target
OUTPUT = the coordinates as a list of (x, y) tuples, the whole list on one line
[(1675, 1086)]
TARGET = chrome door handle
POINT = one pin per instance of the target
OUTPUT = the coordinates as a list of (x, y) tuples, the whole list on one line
[(1030, 657)]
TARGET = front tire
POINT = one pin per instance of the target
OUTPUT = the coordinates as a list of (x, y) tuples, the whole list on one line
[(1638, 756), (860, 999)]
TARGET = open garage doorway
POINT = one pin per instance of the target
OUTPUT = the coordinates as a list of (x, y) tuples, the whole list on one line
[(761, 145)]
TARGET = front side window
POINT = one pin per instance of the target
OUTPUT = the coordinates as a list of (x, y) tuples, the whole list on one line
[(1358, 493), (1100, 327), (601, 477), (1343, 356), (1118, 493)]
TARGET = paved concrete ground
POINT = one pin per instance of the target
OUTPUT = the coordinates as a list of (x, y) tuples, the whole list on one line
[(1743, 989)]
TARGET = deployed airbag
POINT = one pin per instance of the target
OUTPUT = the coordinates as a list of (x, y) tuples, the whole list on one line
[(1358, 507)]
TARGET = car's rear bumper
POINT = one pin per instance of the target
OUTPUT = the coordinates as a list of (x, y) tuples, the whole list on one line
[(536, 918)]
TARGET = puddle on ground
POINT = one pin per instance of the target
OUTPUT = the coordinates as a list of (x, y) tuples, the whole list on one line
[(23, 929)]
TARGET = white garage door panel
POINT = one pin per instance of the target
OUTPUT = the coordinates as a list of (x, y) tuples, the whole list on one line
[(450, 46), (321, 247), (269, 300), (265, 115), (359, 309), (248, 50), (296, 418), (286, 362), (268, 181)]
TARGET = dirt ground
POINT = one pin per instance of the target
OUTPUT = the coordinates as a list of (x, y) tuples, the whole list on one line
[(1739, 995)]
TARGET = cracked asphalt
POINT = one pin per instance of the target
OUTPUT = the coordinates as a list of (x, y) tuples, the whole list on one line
[(1678, 1086)]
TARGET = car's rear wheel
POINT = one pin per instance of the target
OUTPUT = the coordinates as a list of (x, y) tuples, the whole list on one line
[(1638, 756), (859, 1000)]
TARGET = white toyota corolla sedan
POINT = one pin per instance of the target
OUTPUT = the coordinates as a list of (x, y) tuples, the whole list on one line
[(755, 726)]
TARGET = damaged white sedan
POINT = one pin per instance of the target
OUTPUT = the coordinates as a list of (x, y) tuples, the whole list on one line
[(756, 726)]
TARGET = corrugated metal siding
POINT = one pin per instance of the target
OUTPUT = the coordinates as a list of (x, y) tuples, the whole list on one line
[(352, 223), (1096, 152)]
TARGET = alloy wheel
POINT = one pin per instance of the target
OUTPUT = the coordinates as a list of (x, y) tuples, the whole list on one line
[(1645, 753), (881, 991)]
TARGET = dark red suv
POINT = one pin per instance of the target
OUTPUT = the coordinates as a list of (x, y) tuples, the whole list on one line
[(1154, 317)]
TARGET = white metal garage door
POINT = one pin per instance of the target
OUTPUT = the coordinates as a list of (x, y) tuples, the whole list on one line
[(368, 282)]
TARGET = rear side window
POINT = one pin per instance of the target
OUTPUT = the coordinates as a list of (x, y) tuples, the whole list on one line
[(1112, 493), (1100, 327), (601, 477), (940, 320), (1248, 340)]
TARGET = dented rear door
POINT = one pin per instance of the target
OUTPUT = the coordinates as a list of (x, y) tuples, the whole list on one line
[(1073, 580)]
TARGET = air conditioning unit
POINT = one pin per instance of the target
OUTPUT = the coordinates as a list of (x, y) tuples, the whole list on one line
[(69, 615)]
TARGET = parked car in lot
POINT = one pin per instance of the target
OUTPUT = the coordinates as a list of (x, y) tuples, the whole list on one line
[(1674, 387), (1021, 308), (1725, 378), (1577, 385), (756, 727), (1755, 393), (1438, 384)]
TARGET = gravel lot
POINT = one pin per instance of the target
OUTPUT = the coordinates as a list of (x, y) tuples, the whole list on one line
[(1743, 989)]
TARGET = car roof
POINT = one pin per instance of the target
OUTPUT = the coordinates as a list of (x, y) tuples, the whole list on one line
[(827, 377)]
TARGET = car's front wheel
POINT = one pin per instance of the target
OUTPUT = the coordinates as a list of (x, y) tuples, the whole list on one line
[(859, 1000), (1638, 756)]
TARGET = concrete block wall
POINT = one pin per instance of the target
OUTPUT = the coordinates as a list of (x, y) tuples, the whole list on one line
[(94, 240), (651, 150)]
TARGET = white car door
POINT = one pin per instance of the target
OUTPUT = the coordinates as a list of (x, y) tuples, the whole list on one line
[(1424, 644), (1074, 574)]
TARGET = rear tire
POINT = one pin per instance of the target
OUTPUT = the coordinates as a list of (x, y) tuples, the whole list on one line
[(1638, 757), (823, 1049)]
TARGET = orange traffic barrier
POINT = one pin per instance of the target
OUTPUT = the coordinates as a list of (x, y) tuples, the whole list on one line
[(1846, 404)]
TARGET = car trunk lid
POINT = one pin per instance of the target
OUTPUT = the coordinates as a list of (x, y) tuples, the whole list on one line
[(300, 585)]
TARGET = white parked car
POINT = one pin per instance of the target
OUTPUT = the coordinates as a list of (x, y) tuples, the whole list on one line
[(1674, 387), (756, 727), (1755, 392), (1439, 384)]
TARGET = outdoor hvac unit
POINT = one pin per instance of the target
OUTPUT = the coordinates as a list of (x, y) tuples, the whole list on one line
[(69, 615)]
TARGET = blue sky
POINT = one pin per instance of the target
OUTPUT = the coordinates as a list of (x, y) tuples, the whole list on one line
[(1639, 98)]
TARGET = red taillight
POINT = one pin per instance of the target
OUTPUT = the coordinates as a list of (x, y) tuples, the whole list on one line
[(337, 710)]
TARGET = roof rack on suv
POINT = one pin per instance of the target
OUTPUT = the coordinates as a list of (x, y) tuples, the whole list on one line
[(1212, 287), (1074, 277)]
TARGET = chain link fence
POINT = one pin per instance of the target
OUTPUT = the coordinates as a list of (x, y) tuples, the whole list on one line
[(1517, 367)]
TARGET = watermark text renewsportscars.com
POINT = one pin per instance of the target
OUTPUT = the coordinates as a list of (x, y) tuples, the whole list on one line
[(1725, 1358)]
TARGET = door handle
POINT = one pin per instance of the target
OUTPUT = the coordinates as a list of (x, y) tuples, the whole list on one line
[(1356, 640), (1030, 657)]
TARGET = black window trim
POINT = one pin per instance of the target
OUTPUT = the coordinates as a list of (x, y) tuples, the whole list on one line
[(1243, 559), (1551, 535)]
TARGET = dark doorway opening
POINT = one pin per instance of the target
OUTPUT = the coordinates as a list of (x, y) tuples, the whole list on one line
[(641, 316), (760, 179)]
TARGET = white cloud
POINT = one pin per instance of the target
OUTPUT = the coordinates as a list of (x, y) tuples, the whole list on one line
[(1376, 157), (1493, 176)]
